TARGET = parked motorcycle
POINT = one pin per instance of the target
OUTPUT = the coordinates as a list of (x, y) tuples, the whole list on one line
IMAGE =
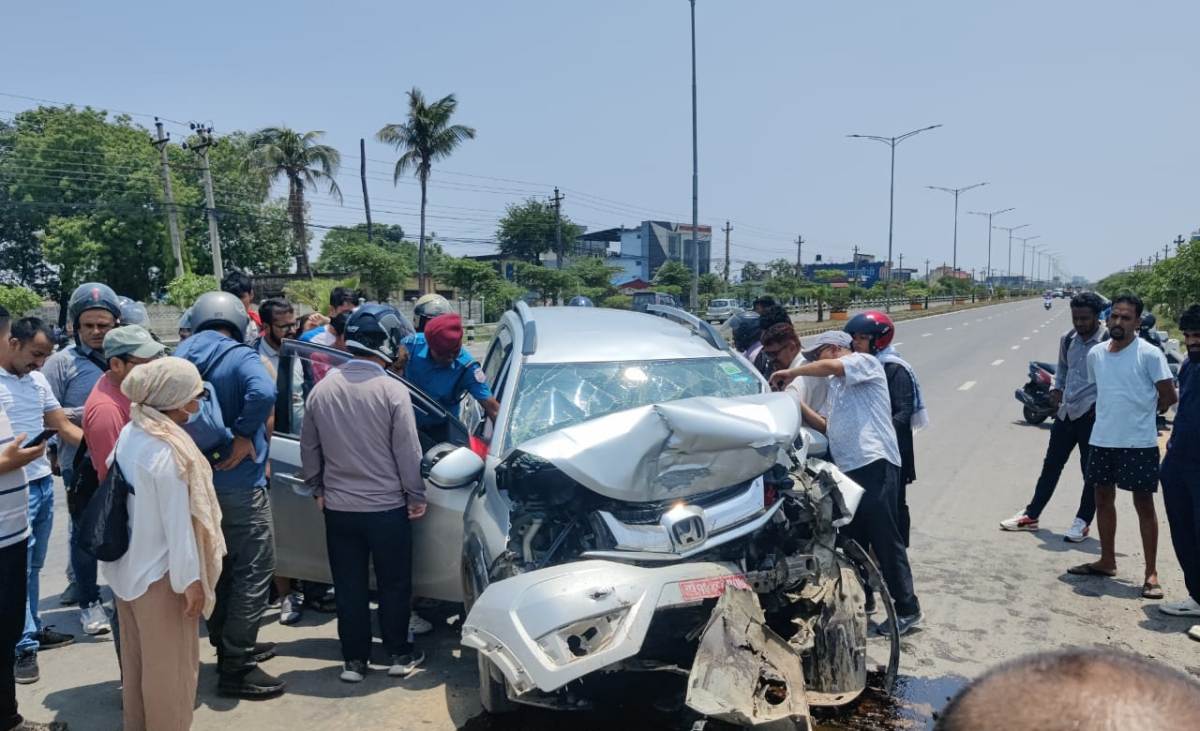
[(1035, 395)]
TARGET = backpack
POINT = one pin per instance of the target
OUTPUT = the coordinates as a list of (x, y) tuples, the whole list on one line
[(208, 428), (84, 483), (103, 531)]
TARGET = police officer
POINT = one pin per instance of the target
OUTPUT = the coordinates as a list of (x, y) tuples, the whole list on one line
[(429, 307), (438, 366)]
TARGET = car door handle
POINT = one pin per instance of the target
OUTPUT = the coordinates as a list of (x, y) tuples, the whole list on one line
[(297, 483)]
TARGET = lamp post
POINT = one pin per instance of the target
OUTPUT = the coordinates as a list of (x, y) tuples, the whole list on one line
[(990, 215), (955, 192), (1010, 230), (1024, 244), (695, 298), (891, 142)]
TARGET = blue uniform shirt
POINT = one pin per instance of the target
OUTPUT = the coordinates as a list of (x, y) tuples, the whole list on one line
[(444, 384)]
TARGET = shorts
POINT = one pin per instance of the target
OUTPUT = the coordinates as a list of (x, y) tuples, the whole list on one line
[(1129, 468)]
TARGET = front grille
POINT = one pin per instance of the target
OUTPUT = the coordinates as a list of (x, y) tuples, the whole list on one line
[(651, 513)]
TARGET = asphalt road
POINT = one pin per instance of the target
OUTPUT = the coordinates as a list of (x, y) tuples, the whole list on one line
[(987, 595)]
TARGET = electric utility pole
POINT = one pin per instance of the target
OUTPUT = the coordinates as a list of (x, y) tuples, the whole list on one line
[(799, 261), (1178, 242), (172, 222), (199, 144), (558, 245), (990, 215), (362, 173), (727, 229), (1010, 230)]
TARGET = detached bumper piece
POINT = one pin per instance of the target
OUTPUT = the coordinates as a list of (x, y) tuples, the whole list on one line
[(744, 673)]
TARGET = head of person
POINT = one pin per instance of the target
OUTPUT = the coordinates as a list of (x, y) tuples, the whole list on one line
[(93, 310), (338, 325), (1074, 689), (132, 313), (773, 315), (30, 342), (1189, 325), (580, 301), (279, 321), (342, 299), (1125, 317), (222, 312), (1085, 313), (764, 303), (746, 328), (429, 307), (239, 285), (128, 346), (870, 331), (829, 345), (780, 344), (444, 335), (185, 325), (375, 332), (171, 386)]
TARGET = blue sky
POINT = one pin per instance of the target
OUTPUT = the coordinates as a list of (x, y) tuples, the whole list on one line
[(1081, 115)]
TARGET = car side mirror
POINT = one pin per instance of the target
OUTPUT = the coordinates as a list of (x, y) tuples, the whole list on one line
[(451, 469)]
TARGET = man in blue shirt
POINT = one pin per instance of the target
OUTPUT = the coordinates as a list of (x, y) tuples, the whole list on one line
[(439, 367), (1181, 474)]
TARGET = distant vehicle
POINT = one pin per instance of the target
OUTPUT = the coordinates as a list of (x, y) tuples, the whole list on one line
[(641, 300), (721, 310), (1059, 294)]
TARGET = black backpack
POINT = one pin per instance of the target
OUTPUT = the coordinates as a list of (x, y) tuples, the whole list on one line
[(84, 482), (104, 528)]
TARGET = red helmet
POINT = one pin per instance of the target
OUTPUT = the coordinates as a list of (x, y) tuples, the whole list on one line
[(876, 324)]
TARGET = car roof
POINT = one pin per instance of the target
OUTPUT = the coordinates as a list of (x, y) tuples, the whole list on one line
[(600, 334)]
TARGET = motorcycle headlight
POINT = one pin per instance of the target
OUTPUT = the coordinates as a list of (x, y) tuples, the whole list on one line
[(581, 639)]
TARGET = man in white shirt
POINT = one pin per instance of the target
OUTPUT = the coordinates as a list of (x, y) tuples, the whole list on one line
[(862, 441), (26, 397), (782, 347), (1133, 383)]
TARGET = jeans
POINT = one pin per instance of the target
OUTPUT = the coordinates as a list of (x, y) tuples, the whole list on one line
[(13, 607), (245, 583), (41, 520), (354, 541), (876, 525), (1181, 497), (83, 565), (1065, 435)]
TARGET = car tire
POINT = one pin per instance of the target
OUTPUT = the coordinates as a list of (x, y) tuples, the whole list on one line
[(493, 693)]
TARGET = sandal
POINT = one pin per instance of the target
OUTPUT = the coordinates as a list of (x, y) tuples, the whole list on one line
[(1088, 569), (1152, 590)]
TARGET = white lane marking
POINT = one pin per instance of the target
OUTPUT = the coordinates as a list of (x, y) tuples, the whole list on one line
[(925, 335), (949, 329), (1025, 338), (998, 361), (1035, 332), (966, 323), (967, 386), (1015, 347)]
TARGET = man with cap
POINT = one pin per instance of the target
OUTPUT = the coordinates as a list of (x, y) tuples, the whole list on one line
[(862, 441), (438, 366)]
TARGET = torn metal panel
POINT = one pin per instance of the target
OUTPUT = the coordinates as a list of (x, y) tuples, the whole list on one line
[(673, 450), (743, 672)]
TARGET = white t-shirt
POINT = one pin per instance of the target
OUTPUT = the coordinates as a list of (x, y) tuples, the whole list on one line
[(810, 390), (860, 426), (14, 495), (26, 400), (1126, 396)]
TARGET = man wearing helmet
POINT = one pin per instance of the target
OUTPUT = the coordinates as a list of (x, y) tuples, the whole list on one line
[(361, 455), (873, 332), (429, 307), (441, 368), (72, 372), (246, 395)]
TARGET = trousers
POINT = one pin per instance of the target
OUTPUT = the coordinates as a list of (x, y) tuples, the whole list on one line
[(876, 525), (13, 563), (246, 573), (1181, 498), (1065, 435), (160, 660)]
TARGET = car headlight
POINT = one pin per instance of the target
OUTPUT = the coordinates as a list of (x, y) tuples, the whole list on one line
[(583, 638)]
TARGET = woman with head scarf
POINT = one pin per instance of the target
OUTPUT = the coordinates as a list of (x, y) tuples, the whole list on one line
[(165, 581)]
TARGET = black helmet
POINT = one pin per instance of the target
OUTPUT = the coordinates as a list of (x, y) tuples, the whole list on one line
[(746, 328), (214, 309), (93, 296), (375, 329), (132, 313), (580, 301), (1149, 321)]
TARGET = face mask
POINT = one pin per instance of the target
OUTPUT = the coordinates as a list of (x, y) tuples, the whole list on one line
[(193, 416)]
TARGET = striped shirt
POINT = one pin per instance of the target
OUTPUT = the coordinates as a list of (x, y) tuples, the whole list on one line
[(14, 495)]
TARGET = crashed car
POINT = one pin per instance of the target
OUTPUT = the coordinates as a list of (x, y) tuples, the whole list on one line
[(642, 502)]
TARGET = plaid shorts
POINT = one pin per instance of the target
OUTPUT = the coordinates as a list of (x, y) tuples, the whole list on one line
[(1129, 468)]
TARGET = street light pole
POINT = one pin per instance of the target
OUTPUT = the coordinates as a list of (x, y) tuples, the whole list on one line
[(990, 215), (1010, 230), (955, 192), (1024, 244), (891, 142), (695, 298)]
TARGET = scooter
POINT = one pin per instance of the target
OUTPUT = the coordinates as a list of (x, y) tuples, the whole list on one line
[(1035, 395), (1046, 304)]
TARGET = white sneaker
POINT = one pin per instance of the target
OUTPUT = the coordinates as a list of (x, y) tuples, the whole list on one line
[(94, 619), (290, 608), (418, 625), (1186, 608), (1019, 522), (405, 665), (1194, 632), (1077, 532)]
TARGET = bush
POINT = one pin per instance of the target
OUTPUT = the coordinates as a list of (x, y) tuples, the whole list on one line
[(315, 292), (618, 302), (183, 291), (19, 300), (839, 299)]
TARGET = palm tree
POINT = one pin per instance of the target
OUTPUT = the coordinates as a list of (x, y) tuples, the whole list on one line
[(280, 151), (426, 136)]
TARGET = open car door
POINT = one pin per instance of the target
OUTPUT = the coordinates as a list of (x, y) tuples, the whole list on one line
[(300, 551)]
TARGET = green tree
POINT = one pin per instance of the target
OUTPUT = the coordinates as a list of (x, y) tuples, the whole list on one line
[(781, 268), (595, 277), (18, 300), (280, 152), (255, 229), (424, 138), (499, 295), (548, 284), (751, 272), (830, 275), (70, 247), (710, 285), (468, 277), (382, 264), (673, 277), (315, 292), (183, 291), (527, 230)]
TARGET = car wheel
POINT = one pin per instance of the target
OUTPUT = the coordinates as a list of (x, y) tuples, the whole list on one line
[(493, 688), (1032, 417)]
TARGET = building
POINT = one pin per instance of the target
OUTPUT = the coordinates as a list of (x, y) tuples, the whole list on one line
[(646, 248), (863, 270), (945, 271)]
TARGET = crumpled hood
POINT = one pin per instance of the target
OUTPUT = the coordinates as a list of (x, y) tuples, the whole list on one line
[(673, 450)]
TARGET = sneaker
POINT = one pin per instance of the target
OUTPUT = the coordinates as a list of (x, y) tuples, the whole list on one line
[(70, 595), (48, 639), (36, 726), (418, 625), (1194, 632), (263, 651), (25, 671), (1020, 521), (1186, 608), (252, 685), (290, 609), (405, 665), (353, 671), (906, 624), (94, 619), (1077, 532)]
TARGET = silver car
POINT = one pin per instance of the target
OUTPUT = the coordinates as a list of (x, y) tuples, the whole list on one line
[(721, 310)]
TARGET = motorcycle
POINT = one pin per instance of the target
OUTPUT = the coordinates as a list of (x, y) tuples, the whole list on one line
[(1046, 304), (1035, 395)]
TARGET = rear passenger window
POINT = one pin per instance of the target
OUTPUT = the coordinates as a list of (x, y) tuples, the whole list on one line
[(294, 384)]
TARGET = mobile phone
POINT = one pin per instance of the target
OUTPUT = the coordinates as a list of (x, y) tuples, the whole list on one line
[(40, 438)]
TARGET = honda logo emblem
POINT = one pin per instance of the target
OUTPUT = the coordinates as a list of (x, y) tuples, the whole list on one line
[(685, 525)]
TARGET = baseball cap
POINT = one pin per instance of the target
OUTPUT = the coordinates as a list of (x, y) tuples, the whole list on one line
[(132, 340), (813, 346)]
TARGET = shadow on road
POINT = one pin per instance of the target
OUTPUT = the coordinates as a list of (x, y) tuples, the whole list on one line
[(96, 706), (1099, 586), (1055, 543), (1156, 621)]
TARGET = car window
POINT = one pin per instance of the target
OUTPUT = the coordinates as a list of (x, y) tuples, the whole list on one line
[(553, 396), (497, 356)]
